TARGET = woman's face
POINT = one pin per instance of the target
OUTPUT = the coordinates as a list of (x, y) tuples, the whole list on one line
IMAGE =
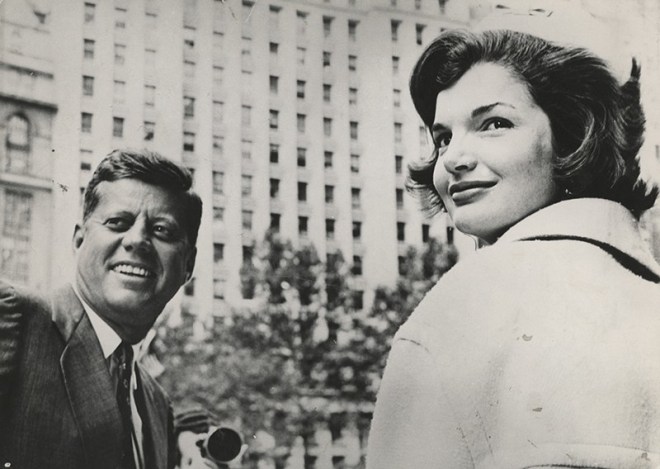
[(495, 152)]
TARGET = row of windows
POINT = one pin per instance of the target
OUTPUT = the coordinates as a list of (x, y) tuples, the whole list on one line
[(419, 31)]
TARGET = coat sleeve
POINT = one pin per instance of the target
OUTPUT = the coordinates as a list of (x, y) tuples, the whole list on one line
[(413, 424), (10, 328)]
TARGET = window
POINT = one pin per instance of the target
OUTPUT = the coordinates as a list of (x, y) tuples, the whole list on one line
[(218, 216), (398, 164), (218, 111), (150, 23), (218, 182), (395, 65), (423, 136), (218, 145), (119, 91), (189, 287), (352, 63), (327, 56), (355, 198), (246, 53), (302, 192), (274, 18), (355, 163), (120, 54), (274, 153), (300, 123), (18, 145), (301, 21), (393, 3), (327, 26), (396, 95), (426, 229), (357, 265), (273, 47), (218, 77), (400, 231), (302, 157), (418, 4), (274, 188), (401, 260), (189, 70), (357, 230), (188, 45), (246, 185), (300, 89), (88, 85), (246, 115), (188, 107), (149, 130), (399, 199), (419, 33), (450, 235), (15, 235), (352, 96), (149, 95), (247, 12), (246, 219), (394, 26), (274, 83), (88, 48), (120, 18), (358, 299), (274, 120), (329, 228), (303, 229), (118, 127), (398, 131), (217, 47), (353, 126), (327, 93), (275, 222), (329, 194), (218, 253), (301, 52), (86, 123), (219, 288), (188, 141), (327, 126), (352, 30), (246, 150), (327, 159), (90, 12)]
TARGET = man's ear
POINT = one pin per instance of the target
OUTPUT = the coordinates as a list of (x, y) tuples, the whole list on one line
[(78, 235), (190, 263)]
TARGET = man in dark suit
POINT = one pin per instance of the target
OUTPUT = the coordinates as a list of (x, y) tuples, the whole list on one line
[(71, 394)]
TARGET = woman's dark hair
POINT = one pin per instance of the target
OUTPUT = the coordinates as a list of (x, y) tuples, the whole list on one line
[(151, 168), (597, 125)]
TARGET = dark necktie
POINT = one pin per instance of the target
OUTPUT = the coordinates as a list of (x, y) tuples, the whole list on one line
[(124, 354)]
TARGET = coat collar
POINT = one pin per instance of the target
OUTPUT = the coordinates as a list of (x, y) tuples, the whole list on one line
[(600, 220)]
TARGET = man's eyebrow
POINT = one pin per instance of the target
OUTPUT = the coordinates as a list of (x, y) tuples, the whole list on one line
[(437, 126)]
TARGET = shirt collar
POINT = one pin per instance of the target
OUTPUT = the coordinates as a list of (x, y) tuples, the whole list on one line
[(601, 220), (105, 334)]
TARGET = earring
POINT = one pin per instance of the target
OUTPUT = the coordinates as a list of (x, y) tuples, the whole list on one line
[(568, 193)]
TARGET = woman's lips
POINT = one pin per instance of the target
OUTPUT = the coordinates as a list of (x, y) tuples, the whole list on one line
[(466, 191)]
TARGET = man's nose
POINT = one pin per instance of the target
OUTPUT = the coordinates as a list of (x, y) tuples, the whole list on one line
[(459, 156), (137, 236)]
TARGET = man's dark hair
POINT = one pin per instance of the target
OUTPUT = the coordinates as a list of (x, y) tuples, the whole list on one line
[(597, 125), (152, 168)]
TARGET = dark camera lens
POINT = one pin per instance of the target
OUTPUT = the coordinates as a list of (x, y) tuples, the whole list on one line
[(223, 445)]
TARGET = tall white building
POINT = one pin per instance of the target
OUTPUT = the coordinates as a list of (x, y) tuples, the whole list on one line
[(293, 116)]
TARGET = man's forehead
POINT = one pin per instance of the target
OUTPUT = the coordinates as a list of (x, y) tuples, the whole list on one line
[(136, 195)]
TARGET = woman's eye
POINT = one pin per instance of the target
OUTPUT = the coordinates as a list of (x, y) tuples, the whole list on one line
[(496, 124), (164, 232), (441, 141)]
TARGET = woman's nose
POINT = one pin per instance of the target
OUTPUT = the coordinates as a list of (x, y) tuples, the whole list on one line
[(458, 157)]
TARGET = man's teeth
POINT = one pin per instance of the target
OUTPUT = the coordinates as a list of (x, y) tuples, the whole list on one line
[(131, 270)]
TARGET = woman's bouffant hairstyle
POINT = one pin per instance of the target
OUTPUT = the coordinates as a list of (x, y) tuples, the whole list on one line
[(597, 125), (152, 168)]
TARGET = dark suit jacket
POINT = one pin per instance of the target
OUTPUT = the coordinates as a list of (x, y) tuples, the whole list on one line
[(57, 400)]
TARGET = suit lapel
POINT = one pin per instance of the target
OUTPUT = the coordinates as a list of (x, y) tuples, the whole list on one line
[(88, 382), (154, 422)]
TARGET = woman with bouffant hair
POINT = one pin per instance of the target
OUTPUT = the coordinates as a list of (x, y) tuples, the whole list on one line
[(540, 350)]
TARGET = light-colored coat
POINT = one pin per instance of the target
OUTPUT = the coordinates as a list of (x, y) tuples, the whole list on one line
[(58, 408), (541, 350)]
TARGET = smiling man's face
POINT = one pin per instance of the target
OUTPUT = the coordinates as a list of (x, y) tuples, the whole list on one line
[(132, 255)]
